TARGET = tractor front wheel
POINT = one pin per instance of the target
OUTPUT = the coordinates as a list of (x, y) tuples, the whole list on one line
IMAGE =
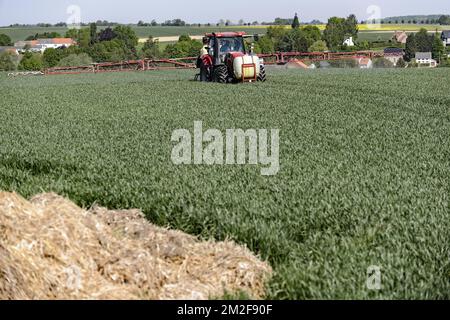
[(220, 74), (262, 74)]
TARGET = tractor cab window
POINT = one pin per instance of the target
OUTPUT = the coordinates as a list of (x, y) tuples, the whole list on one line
[(231, 45)]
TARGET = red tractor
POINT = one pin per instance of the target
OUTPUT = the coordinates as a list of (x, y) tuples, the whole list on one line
[(225, 60)]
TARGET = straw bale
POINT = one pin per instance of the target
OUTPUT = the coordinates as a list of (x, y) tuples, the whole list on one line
[(52, 249)]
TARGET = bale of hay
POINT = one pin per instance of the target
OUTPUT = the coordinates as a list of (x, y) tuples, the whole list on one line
[(52, 249)]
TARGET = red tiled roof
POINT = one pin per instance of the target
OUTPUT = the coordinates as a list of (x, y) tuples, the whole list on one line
[(63, 41), (400, 36)]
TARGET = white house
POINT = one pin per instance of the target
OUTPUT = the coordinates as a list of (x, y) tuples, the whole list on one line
[(349, 42), (425, 58), (445, 36), (40, 45)]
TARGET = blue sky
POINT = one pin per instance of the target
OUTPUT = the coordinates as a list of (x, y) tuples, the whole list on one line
[(29, 11)]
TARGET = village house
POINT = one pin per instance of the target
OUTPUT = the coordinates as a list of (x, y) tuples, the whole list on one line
[(40, 45), (425, 59), (400, 37), (394, 55), (349, 42), (445, 36)]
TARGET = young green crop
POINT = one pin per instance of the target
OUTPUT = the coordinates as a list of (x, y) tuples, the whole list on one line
[(364, 178)]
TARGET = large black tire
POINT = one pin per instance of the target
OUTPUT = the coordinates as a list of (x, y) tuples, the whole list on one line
[(220, 74), (262, 74)]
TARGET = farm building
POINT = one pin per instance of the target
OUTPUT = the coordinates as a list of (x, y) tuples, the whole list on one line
[(445, 36), (394, 54), (425, 59), (400, 37), (40, 45), (9, 49)]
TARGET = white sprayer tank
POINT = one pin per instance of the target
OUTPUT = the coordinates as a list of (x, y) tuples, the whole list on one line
[(238, 62)]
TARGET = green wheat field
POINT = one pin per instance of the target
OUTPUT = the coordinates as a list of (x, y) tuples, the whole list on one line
[(364, 178)]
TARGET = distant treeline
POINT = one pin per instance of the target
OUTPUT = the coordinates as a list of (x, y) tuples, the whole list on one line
[(170, 23), (418, 19), (101, 23), (411, 19)]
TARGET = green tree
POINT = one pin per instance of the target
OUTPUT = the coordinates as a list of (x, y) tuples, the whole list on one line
[(438, 48), (411, 47), (107, 35), (151, 49), (74, 60), (318, 46), (81, 36), (184, 37), (266, 44), (294, 40), (31, 62), (184, 48), (424, 41), (338, 29), (7, 62), (5, 40), (128, 37), (351, 26), (335, 32), (72, 33), (276, 34), (363, 45), (279, 38), (114, 50), (51, 57), (84, 38), (312, 34), (296, 22), (444, 20), (93, 33)]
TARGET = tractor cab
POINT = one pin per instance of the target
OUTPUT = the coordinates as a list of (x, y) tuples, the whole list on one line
[(220, 44)]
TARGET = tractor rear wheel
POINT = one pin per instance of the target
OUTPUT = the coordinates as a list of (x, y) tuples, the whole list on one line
[(220, 74), (262, 74)]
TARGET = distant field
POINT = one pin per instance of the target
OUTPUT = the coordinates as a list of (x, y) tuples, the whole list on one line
[(364, 179), (17, 34), (403, 27), (375, 36)]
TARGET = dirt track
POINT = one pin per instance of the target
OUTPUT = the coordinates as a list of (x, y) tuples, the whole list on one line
[(169, 39)]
